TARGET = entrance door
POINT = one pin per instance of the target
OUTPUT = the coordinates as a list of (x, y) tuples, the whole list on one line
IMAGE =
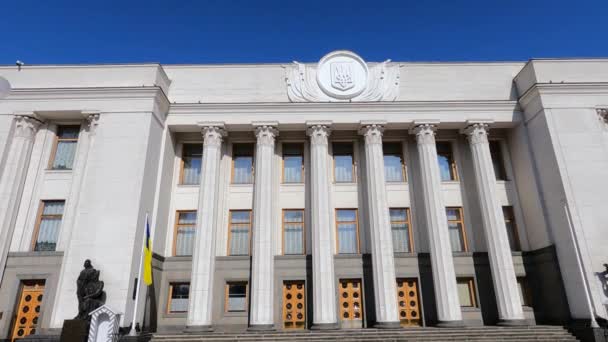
[(408, 302), (28, 309), (351, 303), (294, 305)]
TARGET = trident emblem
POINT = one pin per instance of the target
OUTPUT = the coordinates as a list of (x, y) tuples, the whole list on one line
[(342, 76)]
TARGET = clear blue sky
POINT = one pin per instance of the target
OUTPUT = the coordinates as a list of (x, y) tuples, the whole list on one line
[(228, 31)]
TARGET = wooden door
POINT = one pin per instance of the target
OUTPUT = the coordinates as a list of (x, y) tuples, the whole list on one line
[(351, 299), (408, 302), (294, 305), (28, 309)]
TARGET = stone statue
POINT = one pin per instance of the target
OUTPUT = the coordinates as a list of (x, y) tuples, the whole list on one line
[(89, 290)]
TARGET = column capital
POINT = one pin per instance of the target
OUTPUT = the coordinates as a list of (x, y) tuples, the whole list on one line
[(372, 132), (425, 133), (213, 134), (91, 119), (603, 114), (26, 125), (266, 134), (319, 132), (477, 132)]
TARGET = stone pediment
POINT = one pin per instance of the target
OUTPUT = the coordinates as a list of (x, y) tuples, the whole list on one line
[(342, 76)]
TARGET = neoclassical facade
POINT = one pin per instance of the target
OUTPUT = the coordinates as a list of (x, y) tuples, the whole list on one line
[(329, 195)]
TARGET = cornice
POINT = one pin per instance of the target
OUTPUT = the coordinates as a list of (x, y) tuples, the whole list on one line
[(341, 107), (88, 93), (587, 88)]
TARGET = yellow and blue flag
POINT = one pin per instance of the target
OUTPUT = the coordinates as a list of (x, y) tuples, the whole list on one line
[(148, 256)]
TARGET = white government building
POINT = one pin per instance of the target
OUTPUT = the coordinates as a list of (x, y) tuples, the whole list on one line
[(337, 194)]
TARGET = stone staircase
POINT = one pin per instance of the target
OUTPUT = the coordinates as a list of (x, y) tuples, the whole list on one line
[(481, 334)]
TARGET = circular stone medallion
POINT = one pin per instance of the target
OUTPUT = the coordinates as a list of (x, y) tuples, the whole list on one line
[(342, 75)]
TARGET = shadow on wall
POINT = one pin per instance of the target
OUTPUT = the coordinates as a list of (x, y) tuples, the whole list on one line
[(603, 278)]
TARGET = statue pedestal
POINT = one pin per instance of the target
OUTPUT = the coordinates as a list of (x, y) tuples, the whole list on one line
[(75, 330)]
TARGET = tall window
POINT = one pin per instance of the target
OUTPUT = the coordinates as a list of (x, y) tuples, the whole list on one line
[(184, 232), (65, 147), (240, 229), (347, 227), (394, 166), (293, 231), (456, 228), (236, 296), (400, 227), (49, 222), (179, 294), (497, 160), (293, 163), (511, 228), (447, 165), (242, 163), (343, 162), (466, 292), (191, 164)]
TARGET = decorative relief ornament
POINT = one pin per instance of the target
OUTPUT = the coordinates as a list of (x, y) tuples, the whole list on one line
[(477, 133), (603, 114), (342, 76), (318, 134), (26, 126)]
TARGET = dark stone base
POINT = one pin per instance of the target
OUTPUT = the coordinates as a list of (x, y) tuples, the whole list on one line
[(387, 325), (75, 330), (512, 322), (325, 326), (450, 324), (197, 329), (261, 327), (584, 332)]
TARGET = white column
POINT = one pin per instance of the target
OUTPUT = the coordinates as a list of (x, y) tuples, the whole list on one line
[(203, 259), (262, 268), (323, 276), (508, 301), (442, 263), (13, 178), (383, 261)]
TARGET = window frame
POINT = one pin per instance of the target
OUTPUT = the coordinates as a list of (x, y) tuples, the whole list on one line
[(401, 156), (56, 142), (498, 143), (227, 295), (356, 230), (39, 218), (409, 230), (453, 164), (463, 229), (333, 158), (303, 180), (230, 231), (303, 231), (511, 219), (472, 291), (177, 226), (181, 162), (233, 157), (170, 297)]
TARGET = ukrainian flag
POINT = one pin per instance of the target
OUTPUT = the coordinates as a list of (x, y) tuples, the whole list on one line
[(148, 256)]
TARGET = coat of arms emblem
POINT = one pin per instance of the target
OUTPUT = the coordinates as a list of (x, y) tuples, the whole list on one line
[(342, 75)]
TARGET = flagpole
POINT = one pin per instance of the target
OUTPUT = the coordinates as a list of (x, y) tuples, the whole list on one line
[(132, 331)]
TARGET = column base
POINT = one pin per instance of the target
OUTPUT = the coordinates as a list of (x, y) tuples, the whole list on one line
[(450, 324), (388, 325), (512, 322), (197, 329), (261, 327), (325, 326)]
